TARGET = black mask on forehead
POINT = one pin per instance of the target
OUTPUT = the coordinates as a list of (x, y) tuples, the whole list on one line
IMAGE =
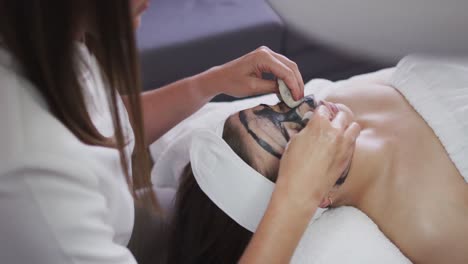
[(277, 119)]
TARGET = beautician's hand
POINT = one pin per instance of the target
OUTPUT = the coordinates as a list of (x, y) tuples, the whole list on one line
[(316, 157), (312, 162), (243, 76)]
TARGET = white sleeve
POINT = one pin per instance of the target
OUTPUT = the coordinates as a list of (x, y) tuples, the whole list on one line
[(384, 29), (51, 211)]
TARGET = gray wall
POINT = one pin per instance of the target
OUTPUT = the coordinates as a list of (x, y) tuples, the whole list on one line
[(383, 29)]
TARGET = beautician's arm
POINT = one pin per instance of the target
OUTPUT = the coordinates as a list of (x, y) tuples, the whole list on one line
[(280, 230), (310, 166), (165, 107)]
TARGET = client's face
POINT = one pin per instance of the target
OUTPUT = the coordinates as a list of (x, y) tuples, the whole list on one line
[(266, 130), (271, 127)]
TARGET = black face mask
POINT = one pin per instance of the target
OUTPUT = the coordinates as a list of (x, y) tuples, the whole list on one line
[(277, 119)]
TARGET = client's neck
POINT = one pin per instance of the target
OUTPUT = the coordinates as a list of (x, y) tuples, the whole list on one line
[(366, 172)]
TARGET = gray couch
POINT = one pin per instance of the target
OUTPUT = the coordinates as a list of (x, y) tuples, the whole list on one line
[(180, 38)]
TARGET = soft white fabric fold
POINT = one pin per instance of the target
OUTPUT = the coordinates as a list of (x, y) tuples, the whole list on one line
[(235, 187)]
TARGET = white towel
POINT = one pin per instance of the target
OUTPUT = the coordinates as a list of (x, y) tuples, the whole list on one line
[(438, 90), (346, 235)]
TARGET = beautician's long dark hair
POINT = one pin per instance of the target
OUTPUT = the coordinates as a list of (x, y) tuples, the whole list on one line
[(200, 231), (41, 35)]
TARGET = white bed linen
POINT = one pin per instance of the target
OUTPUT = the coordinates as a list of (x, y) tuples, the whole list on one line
[(342, 235)]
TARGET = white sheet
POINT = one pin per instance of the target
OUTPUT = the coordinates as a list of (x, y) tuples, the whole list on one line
[(342, 235), (438, 90)]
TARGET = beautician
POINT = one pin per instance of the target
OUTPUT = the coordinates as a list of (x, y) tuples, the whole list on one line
[(72, 118)]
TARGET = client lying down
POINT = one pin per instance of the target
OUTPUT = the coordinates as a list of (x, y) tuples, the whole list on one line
[(407, 173)]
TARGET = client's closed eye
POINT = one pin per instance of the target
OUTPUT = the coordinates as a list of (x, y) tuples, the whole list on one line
[(282, 107)]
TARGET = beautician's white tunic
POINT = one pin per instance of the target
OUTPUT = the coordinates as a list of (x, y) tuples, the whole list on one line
[(61, 201)]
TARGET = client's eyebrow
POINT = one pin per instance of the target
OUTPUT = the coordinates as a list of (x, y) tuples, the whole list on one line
[(267, 147)]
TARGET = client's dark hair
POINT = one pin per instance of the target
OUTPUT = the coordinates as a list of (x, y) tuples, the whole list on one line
[(201, 232)]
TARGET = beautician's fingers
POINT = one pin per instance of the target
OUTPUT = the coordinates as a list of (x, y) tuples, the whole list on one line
[(258, 86), (342, 120), (352, 132), (292, 65), (320, 117), (243, 76), (266, 61), (324, 114), (261, 86)]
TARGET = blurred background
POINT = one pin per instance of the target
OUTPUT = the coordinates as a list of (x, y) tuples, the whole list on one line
[(327, 39)]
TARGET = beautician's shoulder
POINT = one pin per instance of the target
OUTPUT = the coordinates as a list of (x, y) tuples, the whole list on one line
[(54, 207), (27, 125)]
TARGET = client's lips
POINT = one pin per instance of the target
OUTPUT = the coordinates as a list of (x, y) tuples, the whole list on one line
[(331, 107), (334, 108)]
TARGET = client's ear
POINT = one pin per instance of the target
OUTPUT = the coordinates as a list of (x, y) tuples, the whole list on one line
[(325, 203)]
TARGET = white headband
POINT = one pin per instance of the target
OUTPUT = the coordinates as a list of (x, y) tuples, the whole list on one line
[(230, 183), (235, 187)]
